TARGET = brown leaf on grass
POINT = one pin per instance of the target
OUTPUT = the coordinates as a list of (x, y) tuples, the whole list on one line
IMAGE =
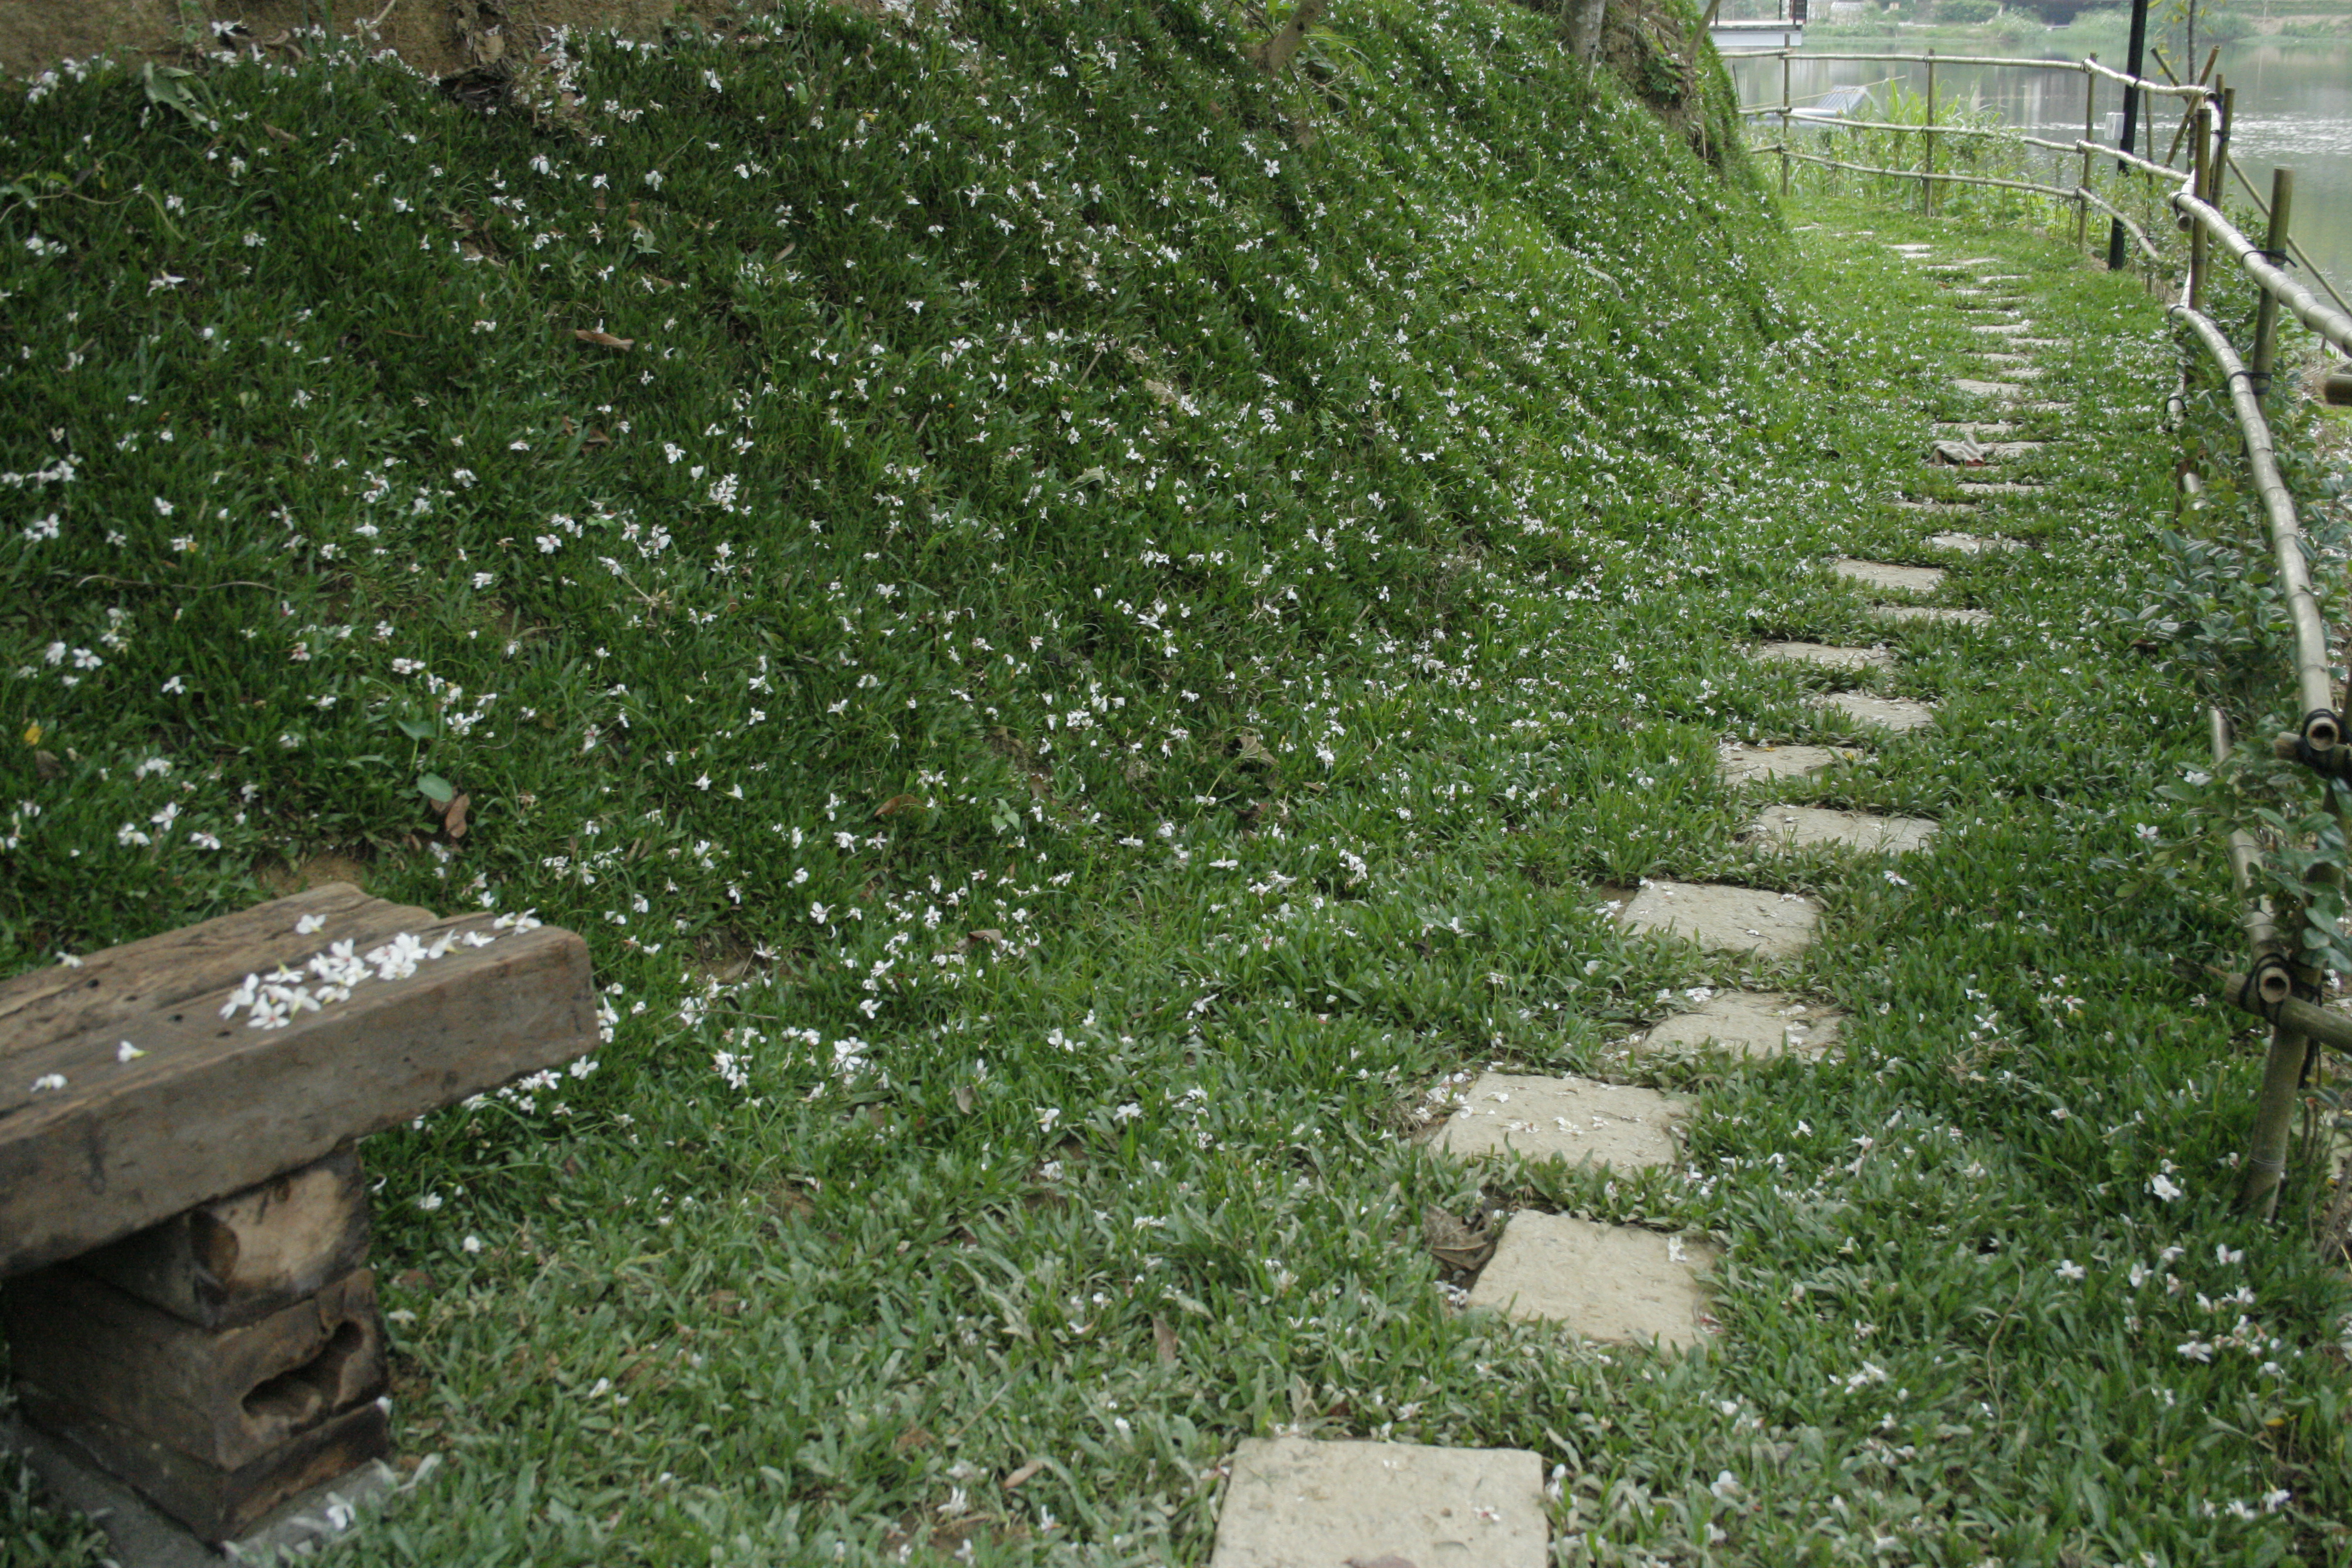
[(1164, 1338), (899, 802), (602, 338), (989, 934), (963, 1098), (453, 815), (913, 1437), (1023, 1473)]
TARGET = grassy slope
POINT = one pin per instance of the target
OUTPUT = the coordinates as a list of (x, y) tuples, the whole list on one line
[(1052, 775)]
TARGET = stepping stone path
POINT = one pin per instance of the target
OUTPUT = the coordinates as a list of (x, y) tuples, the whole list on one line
[(1738, 765), (1811, 827), (1826, 656), (1293, 1502), (1575, 1119), (1732, 919), (1895, 715), (1932, 613), (1755, 1024), (1880, 574), (1973, 544), (1296, 1503), (1619, 1283)]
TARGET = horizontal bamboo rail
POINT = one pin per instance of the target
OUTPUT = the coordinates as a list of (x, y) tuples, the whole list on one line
[(2321, 728), (2077, 192), (2308, 1019), (2334, 325)]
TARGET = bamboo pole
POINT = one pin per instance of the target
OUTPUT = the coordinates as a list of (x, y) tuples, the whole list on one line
[(2199, 152), (1928, 137), (2294, 247), (2334, 325), (2082, 208), (2321, 726), (2267, 991), (2266, 315), (1785, 106)]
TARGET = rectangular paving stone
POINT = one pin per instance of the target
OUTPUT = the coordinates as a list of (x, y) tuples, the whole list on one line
[(1932, 613), (1971, 387), (1574, 1120), (2010, 451), (1885, 575), (1975, 544), (1974, 429), (1989, 357), (2000, 488), (1809, 826), (1295, 1502), (1755, 1024), (2001, 329), (1898, 715), (2039, 342), (1737, 764), (1827, 657), (1619, 1283), (1732, 919), (2024, 372)]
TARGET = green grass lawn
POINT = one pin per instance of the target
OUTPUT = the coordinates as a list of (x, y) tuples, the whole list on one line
[(1078, 631)]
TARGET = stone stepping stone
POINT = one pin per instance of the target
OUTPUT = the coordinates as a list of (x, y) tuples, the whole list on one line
[(1738, 765), (1969, 387), (1912, 503), (1932, 613), (1576, 1121), (1897, 715), (1974, 543), (1787, 827), (2024, 372), (1883, 574), (2001, 329), (1294, 1502), (2000, 488), (2039, 342), (1990, 278), (1757, 1025), (1911, 251), (1618, 1283), (1827, 657), (1975, 429), (1734, 919), (1990, 357), (2010, 451)]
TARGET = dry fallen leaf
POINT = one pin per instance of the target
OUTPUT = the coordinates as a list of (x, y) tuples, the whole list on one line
[(602, 338), (1023, 1473), (963, 1098), (1164, 1338), (453, 816), (897, 803)]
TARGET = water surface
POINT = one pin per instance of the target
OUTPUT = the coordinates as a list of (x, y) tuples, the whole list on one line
[(2293, 109)]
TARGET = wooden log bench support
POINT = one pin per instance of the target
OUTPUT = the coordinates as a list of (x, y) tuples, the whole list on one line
[(183, 1220)]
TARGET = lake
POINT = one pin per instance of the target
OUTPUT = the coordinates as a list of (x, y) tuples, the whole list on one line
[(2293, 109)]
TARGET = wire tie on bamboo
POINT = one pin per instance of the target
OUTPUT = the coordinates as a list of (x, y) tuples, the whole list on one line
[(2275, 258)]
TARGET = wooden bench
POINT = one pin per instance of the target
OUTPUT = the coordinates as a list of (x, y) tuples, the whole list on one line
[(183, 1225)]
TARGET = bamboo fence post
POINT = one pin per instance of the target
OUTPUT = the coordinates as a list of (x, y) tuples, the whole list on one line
[(1927, 136), (2283, 1068), (2082, 203), (1785, 106), (2198, 153), (2266, 315)]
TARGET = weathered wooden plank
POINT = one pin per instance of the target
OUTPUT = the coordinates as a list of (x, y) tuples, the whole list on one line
[(217, 1504), (239, 1258), (158, 972), (225, 1397), (209, 1105)]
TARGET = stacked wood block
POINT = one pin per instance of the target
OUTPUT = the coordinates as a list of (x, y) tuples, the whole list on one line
[(221, 1362), (184, 1229)]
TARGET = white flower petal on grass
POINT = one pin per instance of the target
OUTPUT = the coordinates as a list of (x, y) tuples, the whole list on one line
[(48, 1081), (2166, 1188)]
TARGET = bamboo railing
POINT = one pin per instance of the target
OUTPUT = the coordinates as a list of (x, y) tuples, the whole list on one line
[(2280, 983)]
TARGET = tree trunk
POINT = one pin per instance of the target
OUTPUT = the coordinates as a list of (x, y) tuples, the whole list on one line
[(1584, 19)]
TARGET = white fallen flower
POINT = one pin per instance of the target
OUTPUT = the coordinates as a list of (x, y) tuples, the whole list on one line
[(48, 1081)]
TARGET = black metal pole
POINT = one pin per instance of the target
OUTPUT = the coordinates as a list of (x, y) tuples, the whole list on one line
[(2133, 52)]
